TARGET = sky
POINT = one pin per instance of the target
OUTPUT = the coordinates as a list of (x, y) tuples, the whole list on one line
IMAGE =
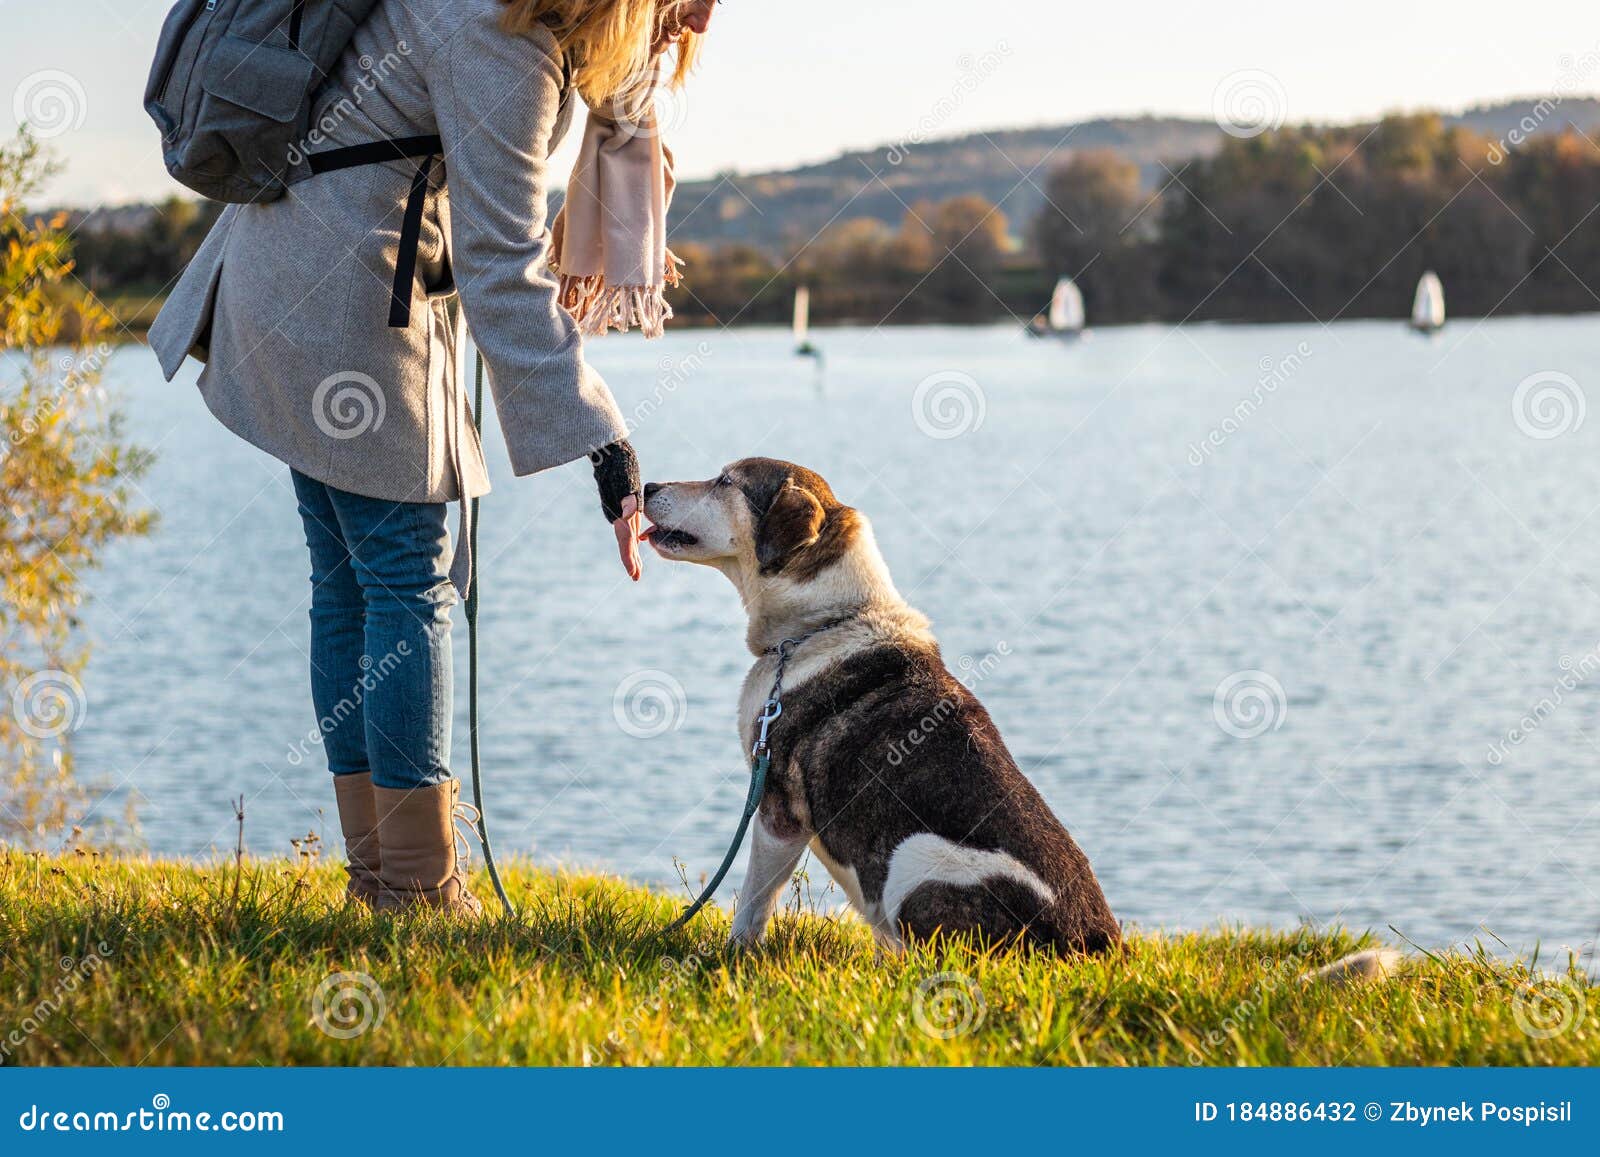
[(786, 83)]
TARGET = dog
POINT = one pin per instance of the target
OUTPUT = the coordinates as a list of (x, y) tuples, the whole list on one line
[(883, 763)]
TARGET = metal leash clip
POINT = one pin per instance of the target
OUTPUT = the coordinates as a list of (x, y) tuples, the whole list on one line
[(769, 715)]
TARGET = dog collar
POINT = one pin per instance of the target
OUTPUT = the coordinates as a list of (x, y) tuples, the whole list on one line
[(787, 647)]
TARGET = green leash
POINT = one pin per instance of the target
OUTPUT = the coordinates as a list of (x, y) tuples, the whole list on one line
[(760, 765), (472, 667)]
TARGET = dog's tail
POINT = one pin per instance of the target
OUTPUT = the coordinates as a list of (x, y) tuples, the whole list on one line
[(1371, 965)]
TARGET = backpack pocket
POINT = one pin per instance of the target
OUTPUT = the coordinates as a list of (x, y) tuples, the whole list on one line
[(262, 78), (254, 95)]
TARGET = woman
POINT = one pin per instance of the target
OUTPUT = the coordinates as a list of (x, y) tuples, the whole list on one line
[(323, 322)]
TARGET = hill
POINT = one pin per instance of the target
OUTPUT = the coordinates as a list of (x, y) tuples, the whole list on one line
[(776, 211)]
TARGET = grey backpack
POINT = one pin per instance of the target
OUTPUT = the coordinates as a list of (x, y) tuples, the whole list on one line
[(232, 86), (232, 89)]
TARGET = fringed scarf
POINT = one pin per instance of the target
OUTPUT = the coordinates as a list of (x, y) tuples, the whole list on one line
[(609, 242)]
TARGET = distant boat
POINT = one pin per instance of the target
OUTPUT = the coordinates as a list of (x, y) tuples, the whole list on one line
[(1065, 318), (802, 325), (1427, 308)]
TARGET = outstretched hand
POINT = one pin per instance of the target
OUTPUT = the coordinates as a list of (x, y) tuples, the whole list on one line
[(627, 529)]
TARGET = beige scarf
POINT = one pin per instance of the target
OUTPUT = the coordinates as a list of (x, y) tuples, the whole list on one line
[(610, 238)]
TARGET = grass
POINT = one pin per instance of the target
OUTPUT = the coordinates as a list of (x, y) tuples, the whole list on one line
[(129, 961)]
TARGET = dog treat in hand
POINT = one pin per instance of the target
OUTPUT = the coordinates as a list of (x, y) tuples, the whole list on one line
[(616, 473)]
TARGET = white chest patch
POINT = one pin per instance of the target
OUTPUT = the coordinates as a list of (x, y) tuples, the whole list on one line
[(929, 859)]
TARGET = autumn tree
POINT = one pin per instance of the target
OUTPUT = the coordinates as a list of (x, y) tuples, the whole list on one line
[(966, 239), (65, 477), (1094, 226)]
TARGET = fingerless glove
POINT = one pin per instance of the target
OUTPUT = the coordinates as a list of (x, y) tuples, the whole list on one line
[(616, 473)]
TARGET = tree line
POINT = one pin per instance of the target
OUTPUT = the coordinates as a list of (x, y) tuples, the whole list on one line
[(1304, 222), (1300, 223)]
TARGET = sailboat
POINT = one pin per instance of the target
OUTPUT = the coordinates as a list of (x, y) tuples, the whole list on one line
[(802, 325), (1427, 308), (1065, 318)]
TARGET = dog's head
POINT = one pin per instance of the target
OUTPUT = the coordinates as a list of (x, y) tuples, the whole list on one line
[(760, 515)]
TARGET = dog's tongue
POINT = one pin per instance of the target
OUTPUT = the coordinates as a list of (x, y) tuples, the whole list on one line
[(644, 535)]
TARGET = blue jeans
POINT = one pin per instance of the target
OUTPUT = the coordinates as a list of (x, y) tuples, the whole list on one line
[(380, 633)]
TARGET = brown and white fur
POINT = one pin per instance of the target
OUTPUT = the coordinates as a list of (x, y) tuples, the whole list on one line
[(884, 765)]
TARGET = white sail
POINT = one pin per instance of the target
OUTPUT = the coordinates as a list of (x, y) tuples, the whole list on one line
[(1066, 307), (802, 315), (1427, 309)]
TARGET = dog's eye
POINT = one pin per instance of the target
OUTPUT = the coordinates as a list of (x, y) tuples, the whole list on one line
[(724, 481)]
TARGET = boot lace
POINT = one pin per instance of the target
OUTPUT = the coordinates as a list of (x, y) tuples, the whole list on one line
[(464, 812)]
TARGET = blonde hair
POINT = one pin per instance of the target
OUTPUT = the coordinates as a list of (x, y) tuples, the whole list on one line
[(610, 43)]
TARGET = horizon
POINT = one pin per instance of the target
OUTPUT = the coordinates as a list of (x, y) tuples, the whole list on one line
[(1531, 99), (1051, 67)]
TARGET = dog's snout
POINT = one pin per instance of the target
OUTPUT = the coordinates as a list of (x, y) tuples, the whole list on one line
[(651, 489)]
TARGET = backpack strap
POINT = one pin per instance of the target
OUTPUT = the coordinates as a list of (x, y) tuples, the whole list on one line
[(376, 152), (423, 148)]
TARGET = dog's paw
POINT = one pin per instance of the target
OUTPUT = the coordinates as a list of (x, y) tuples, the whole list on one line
[(746, 935)]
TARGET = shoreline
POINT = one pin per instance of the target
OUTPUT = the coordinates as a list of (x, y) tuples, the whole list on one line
[(136, 330)]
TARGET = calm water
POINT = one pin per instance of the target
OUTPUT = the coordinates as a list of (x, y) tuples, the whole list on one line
[(1379, 538)]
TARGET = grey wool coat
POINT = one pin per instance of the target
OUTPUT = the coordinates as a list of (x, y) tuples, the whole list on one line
[(287, 302)]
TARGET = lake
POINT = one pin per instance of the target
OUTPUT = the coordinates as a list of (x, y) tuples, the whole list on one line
[(1288, 623)]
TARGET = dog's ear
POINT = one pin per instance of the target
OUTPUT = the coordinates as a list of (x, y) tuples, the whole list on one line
[(791, 524)]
